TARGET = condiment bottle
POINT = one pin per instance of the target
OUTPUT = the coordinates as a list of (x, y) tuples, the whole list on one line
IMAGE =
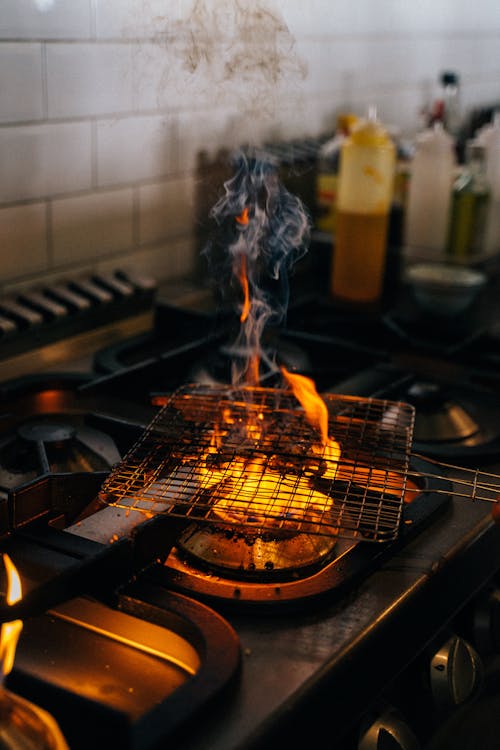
[(429, 191), (327, 175), (489, 137), (469, 206), (366, 180)]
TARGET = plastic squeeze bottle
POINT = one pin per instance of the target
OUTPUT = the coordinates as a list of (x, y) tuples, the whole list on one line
[(327, 177), (366, 181), (429, 192)]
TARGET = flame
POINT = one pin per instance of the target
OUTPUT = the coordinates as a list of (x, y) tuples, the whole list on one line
[(240, 270), (304, 390), (10, 631), (316, 410), (241, 273), (243, 217), (251, 486)]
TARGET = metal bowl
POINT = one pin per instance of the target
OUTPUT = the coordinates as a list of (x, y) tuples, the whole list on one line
[(444, 289)]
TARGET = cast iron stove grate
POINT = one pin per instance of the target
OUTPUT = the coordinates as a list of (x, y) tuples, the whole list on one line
[(249, 458)]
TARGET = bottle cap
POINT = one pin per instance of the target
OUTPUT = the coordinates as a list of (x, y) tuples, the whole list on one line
[(449, 78), (434, 139), (370, 131), (346, 122)]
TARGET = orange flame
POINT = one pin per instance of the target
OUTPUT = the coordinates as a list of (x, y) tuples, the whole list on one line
[(241, 270), (305, 392), (10, 631), (241, 273), (243, 217)]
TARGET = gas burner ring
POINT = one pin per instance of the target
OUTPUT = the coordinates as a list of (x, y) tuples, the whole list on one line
[(47, 432)]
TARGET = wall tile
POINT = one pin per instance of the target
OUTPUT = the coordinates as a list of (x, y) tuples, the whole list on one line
[(20, 82), (91, 226), (320, 17), (23, 241), (43, 160), (164, 262), (134, 148), (88, 79), (45, 19), (130, 19), (162, 80), (166, 210), (210, 131), (207, 77), (369, 62)]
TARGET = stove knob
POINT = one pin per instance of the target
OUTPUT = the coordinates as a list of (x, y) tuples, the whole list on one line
[(486, 622), (389, 732), (456, 671)]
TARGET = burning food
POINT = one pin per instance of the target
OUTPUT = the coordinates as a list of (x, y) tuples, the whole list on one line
[(250, 458)]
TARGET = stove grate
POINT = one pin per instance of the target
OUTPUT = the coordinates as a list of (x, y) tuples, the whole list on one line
[(247, 459)]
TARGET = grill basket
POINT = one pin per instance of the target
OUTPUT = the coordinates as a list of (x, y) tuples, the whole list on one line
[(248, 459)]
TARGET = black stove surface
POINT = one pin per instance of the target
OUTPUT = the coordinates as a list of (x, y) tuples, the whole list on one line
[(327, 661)]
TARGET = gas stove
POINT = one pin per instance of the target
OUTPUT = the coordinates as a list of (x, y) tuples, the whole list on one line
[(127, 638)]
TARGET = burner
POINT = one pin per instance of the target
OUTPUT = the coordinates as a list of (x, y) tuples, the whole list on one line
[(47, 433), (217, 367), (440, 418), (53, 444), (251, 555)]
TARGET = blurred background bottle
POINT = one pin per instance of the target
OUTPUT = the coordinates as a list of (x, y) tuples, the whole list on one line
[(447, 107), (489, 137), (452, 114), (469, 206), (429, 190), (327, 176), (365, 189)]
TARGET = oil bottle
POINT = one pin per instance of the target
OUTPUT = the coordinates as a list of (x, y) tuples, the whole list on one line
[(469, 207), (489, 137)]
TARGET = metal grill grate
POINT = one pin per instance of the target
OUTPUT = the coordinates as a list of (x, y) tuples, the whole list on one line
[(247, 457)]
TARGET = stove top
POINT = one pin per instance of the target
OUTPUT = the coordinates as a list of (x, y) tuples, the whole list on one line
[(311, 654)]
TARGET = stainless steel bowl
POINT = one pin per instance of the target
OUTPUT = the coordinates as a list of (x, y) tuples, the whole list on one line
[(444, 289)]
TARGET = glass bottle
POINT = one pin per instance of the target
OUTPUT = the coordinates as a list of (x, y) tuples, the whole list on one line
[(469, 207), (489, 137), (366, 183)]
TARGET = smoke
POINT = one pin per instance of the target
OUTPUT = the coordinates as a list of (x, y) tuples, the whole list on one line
[(263, 231)]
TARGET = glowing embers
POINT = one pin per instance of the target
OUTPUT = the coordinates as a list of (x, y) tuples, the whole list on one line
[(248, 458)]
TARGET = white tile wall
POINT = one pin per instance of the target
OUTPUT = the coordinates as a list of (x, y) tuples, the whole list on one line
[(166, 210), (45, 19), (88, 79), (87, 227), (134, 149), (43, 160), (21, 82), (23, 241), (105, 106)]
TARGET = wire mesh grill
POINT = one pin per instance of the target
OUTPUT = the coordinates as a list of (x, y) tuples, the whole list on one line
[(248, 458)]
